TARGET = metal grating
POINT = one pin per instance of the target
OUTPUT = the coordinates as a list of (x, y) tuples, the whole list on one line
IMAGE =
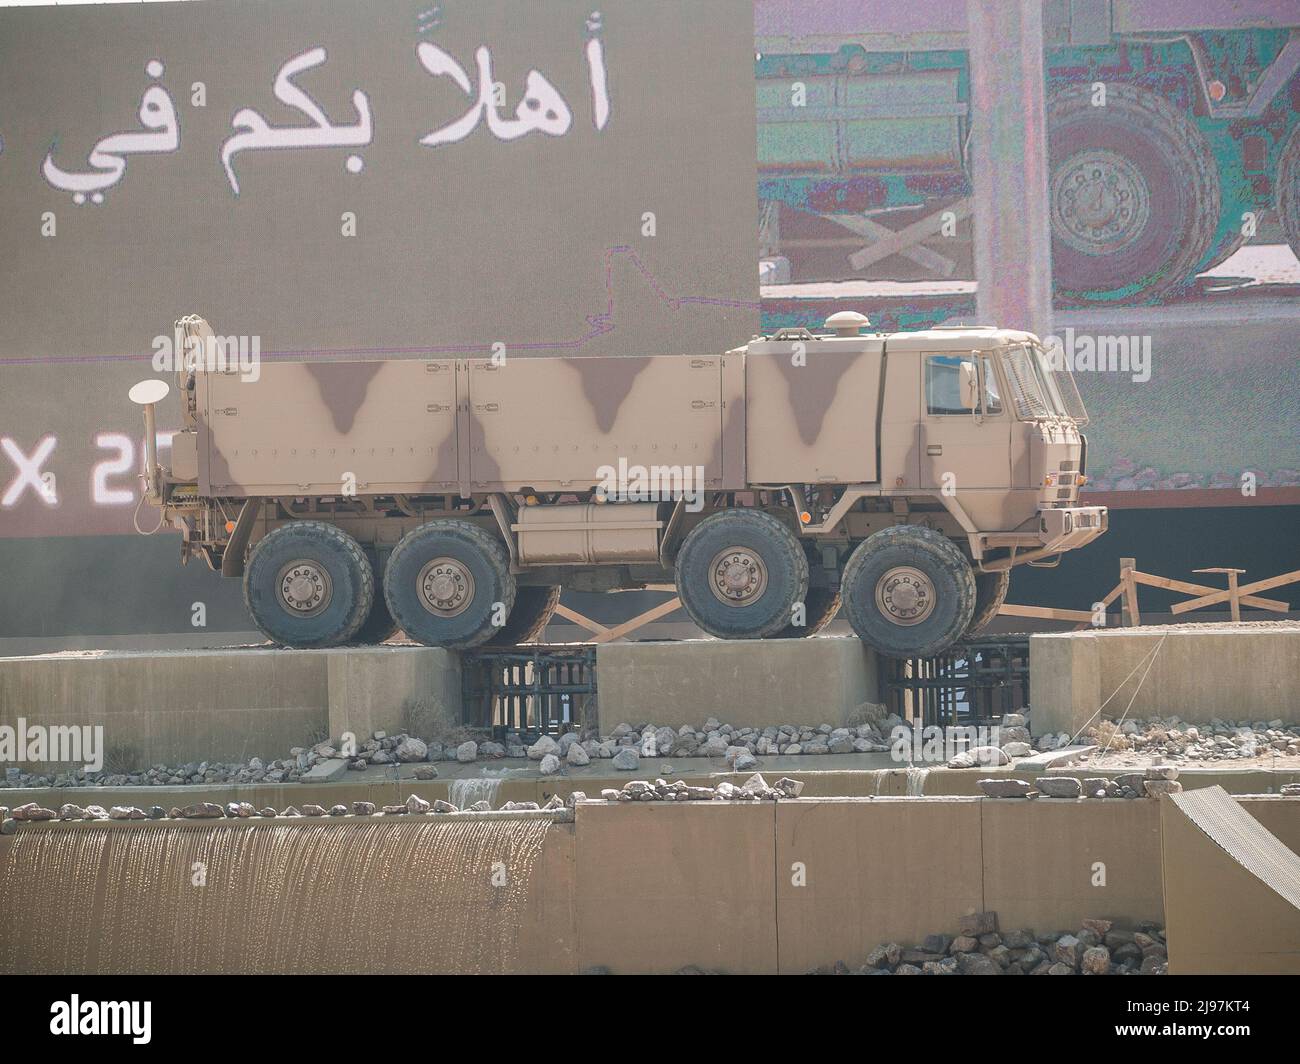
[(972, 682), (531, 692)]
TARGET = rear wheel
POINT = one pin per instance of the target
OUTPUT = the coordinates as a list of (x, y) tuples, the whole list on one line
[(448, 584), (1288, 190), (908, 592), (534, 607), (1135, 196), (990, 594), (308, 584), (739, 574), (379, 624)]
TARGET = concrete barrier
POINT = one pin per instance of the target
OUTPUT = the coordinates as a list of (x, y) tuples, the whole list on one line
[(652, 887), (754, 682), (171, 707), (1235, 672)]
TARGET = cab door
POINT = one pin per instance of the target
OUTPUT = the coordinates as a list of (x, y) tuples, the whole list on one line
[(965, 449)]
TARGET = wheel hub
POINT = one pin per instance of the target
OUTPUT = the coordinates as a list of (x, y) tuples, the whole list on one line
[(737, 576), (905, 595), (305, 587), (1100, 202), (446, 587)]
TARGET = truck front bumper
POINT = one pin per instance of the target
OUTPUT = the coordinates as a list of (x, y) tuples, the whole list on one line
[(1068, 529)]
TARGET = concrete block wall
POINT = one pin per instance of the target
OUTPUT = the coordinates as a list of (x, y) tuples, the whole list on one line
[(738, 887), (171, 707), (1248, 672), (746, 682)]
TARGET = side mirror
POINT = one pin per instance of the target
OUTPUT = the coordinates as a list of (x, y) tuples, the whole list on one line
[(970, 386)]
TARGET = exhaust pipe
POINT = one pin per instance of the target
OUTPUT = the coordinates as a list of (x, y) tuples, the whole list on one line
[(146, 393)]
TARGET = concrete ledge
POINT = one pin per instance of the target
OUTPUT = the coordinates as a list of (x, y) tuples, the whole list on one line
[(171, 707), (752, 682), (1248, 671), (741, 887)]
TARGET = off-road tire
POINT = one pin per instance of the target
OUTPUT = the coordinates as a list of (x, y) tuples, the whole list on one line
[(336, 554), (939, 560), (1287, 188), (1143, 149), (534, 608), (762, 536), (379, 625), (990, 593), (478, 555), (821, 604)]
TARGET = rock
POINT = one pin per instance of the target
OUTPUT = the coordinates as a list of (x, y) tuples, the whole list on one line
[(545, 745), (1017, 749), (790, 788), (416, 804), (467, 752), (68, 812), (574, 798), (841, 745), (610, 794), (311, 809), (988, 756), (426, 772), (363, 808), (1068, 950), (976, 924), (745, 761), (1155, 788), (963, 944), (157, 812), (936, 943), (908, 969), (977, 964), (1022, 939), (576, 756), (204, 811), (1059, 786), (877, 958), (338, 810), (626, 760), (1162, 772), (440, 806), (126, 812), (34, 811), (551, 764), (1098, 927), (491, 750), (1060, 969), (1095, 961), (268, 813), (998, 788), (410, 750), (962, 760), (8, 826), (1013, 720)]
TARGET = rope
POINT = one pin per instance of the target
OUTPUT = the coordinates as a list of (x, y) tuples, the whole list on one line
[(1150, 654)]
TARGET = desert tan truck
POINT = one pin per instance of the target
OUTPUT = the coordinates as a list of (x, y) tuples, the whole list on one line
[(898, 476)]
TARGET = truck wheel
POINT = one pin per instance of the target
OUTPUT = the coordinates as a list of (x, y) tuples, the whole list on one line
[(739, 573), (821, 604), (1287, 192), (308, 584), (378, 627), (446, 584), (990, 593), (534, 607), (908, 592), (1135, 196)]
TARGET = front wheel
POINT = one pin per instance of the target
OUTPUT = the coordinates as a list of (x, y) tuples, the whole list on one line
[(448, 584), (908, 592)]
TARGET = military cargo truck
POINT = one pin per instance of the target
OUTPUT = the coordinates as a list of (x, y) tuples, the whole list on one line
[(899, 476)]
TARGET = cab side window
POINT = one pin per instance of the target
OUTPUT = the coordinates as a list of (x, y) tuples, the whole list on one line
[(943, 385)]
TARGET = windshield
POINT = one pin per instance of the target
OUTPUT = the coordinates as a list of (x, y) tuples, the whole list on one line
[(1038, 390)]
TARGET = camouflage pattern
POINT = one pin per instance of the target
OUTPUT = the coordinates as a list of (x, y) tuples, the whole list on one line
[(840, 420)]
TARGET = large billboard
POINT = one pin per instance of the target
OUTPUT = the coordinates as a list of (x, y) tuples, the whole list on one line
[(340, 179)]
